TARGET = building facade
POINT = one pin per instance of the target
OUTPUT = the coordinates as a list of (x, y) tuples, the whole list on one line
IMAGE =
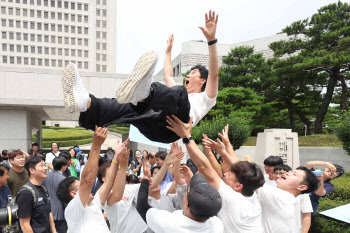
[(49, 34)]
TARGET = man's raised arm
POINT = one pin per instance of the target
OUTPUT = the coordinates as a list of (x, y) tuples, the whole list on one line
[(168, 69), (209, 32), (89, 173), (200, 160)]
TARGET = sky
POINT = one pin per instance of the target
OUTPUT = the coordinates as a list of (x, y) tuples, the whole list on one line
[(144, 25)]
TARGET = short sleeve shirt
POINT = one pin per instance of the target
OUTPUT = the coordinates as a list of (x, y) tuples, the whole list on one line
[(200, 105)]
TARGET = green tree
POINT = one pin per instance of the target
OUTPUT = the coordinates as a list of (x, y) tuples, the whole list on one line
[(343, 132), (320, 61)]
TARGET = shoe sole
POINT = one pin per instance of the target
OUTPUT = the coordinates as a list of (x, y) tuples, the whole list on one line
[(140, 71), (67, 81)]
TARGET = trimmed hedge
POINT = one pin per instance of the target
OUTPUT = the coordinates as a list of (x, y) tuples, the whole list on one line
[(47, 144), (119, 129), (239, 130), (343, 132), (340, 196)]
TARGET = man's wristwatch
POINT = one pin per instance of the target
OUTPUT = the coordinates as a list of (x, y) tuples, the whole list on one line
[(187, 140)]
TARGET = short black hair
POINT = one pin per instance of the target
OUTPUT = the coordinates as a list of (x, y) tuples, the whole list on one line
[(56, 144), (32, 162), (204, 73), (340, 170), (282, 167), (3, 167), (273, 160), (153, 168), (310, 180), (35, 144), (150, 156), (249, 175), (4, 152), (102, 170), (63, 189), (132, 179), (65, 155), (58, 162), (161, 155)]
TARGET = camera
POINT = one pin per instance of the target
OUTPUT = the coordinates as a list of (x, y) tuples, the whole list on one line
[(8, 219)]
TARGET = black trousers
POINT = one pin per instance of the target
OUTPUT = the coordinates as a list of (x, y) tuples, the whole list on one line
[(149, 118), (61, 226)]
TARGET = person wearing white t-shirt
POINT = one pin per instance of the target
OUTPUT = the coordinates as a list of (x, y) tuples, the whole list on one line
[(51, 155), (281, 211), (269, 165), (145, 104), (84, 211), (122, 212), (305, 207), (240, 211), (201, 204)]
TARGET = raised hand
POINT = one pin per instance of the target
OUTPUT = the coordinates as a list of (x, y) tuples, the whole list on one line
[(209, 30), (146, 170), (224, 136), (123, 157), (100, 135), (169, 44), (180, 128), (217, 146), (175, 154), (120, 147), (187, 173)]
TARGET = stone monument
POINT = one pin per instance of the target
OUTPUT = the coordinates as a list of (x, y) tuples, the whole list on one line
[(278, 142)]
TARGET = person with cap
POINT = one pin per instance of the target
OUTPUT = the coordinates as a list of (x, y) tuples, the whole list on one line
[(109, 155), (136, 164), (80, 157), (201, 204)]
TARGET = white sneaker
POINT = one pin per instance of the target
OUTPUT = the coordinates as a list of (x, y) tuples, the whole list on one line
[(137, 86), (75, 95)]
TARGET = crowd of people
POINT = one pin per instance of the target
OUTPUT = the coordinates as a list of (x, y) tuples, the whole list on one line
[(65, 191)]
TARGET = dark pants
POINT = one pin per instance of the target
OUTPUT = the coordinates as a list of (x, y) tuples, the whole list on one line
[(149, 118), (61, 226)]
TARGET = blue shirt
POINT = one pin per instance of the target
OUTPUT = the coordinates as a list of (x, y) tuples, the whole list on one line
[(329, 187), (167, 179), (5, 193)]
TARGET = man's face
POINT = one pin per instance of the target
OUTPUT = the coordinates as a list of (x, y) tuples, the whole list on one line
[(18, 161), (328, 174), (269, 169), (151, 161), (54, 147), (155, 171), (194, 82), (138, 155), (159, 162), (277, 174), (40, 171), (3, 179), (291, 180), (35, 148), (231, 180)]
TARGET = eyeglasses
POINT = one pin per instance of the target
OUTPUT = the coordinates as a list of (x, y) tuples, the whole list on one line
[(278, 173)]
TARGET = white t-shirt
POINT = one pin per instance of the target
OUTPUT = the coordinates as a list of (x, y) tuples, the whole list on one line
[(50, 156), (304, 206), (161, 221), (124, 213), (200, 105), (82, 219), (269, 182), (239, 213), (279, 210)]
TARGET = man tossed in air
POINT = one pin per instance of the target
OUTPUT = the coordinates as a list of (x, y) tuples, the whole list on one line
[(145, 104)]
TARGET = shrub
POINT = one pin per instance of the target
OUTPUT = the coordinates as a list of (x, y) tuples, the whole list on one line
[(343, 132), (238, 133)]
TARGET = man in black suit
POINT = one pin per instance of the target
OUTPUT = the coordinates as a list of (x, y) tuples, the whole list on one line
[(51, 182)]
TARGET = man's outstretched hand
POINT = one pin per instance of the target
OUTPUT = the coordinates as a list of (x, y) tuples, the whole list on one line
[(175, 154), (209, 30), (100, 135), (169, 44), (177, 126)]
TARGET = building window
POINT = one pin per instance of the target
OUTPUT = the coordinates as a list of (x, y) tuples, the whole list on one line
[(104, 46), (40, 62), (98, 23), (98, 12), (19, 48), (46, 3), (59, 28), (12, 60), (104, 68), (66, 52), (32, 37), (80, 53), (47, 50), (10, 11), (66, 17), (11, 23), (104, 35), (11, 35), (32, 25), (59, 4), (86, 31), (40, 38), (59, 39), (52, 3), (53, 39), (32, 49), (53, 51), (39, 26), (66, 5), (53, 63), (72, 52), (46, 38), (38, 14), (3, 10), (32, 13), (25, 37), (98, 57), (60, 52), (104, 24), (98, 45), (72, 5), (3, 22), (104, 2), (98, 68), (86, 42), (25, 24), (4, 47), (40, 50), (32, 61), (79, 30), (59, 16), (38, 2), (12, 48), (18, 36), (53, 15), (18, 24), (25, 48), (86, 53), (72, 41), (72, 17), (47, 62), (18, 11), (79, 18), (4, 59), (86, 7), (26, 61), (25, 2), (104, 13), (25, 12), (53, 27), (79, 6), (4, 35), (80, 41), (80, 64), (19, 60), (66, 40), (66, 63), (72, 29), (98, 34), (46, 14), (66, 28), (86, 19), (104, 57), (60, 63), (86, 65)]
